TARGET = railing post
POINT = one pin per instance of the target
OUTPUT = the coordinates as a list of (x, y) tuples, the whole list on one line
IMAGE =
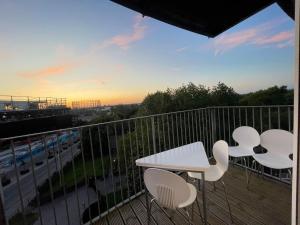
[(153, 134), (213, 125)]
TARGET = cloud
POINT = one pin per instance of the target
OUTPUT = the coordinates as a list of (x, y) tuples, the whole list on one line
[(124, 41), (66, 55), (281, 37), (260, 35), (48, 71), (181, 49)]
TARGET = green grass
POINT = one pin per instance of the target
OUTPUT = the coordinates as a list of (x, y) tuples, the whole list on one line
[(69, 178)]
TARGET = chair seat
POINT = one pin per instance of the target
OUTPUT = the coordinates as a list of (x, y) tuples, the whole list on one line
[(191, 198), (240, 151), (214, 173), (275, 161)]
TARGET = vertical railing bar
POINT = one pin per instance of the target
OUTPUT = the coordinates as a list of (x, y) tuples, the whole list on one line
[(223, 115), (229, 130), (278, 114), (270, 125), (246, 116), (233, 114), (173, 131), (240, 117), (110, 162), (289, 118), (219, 122), (207, 135), (153, 134), (196, 125), (193, 126), (16, 168), (163, 130), (176, 119), (143, 142), (189, 126), (253, 118), (185, 129), (168, 127), (118, 159), (102, 163), (85, 175), (181, 128), (63, 179), (125, 159), (50, 180), (148, 137), (203, 128), (138, 152), (269, 114), (158, 134), (71, 141), (210, 129), (35, 181), (94, 170), (131, 153), (199, 125), (260, 115)]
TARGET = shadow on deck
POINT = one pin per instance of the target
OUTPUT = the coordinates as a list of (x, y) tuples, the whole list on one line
[(266, 202)]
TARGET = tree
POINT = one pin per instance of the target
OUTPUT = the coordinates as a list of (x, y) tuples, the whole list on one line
[(222, 95), (271, 96)]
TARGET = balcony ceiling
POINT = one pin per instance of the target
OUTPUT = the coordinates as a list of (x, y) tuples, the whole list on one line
[(209, 18)]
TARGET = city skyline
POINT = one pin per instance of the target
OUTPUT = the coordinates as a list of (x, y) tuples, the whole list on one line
[(100, 50)]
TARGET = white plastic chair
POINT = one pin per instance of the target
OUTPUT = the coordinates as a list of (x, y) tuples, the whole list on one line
[(279, 146), (216, 172), (169, 190), (247, 138)]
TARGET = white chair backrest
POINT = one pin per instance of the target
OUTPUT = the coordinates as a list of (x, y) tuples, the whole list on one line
[(166, 187), (246, 136), (277, 141), (220, 152)]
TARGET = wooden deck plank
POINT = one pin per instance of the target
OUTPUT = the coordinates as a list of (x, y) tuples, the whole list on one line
[(267, 202), (158, 215), (259, 204), (141, 211), (114, 218), (102, 221), (128, 215)]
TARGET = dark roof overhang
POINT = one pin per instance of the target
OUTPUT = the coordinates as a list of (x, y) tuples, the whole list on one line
[(209, 18)]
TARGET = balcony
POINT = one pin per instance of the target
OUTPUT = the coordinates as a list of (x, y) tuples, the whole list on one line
[(87, 174)]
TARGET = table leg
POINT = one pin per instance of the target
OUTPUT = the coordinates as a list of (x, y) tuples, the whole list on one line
[(147, 205), (204, 198)]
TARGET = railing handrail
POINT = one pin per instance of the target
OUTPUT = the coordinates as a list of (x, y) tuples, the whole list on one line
[(133, 118)]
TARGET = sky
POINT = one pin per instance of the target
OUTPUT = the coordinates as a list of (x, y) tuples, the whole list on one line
[(100, 50)]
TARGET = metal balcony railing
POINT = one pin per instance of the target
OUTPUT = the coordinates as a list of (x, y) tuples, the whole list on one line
[(76, 175)]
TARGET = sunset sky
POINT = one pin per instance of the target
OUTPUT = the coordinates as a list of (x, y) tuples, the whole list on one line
[(99, 50)]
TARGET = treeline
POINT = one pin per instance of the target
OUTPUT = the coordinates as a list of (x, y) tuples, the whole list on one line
[(191, 96)]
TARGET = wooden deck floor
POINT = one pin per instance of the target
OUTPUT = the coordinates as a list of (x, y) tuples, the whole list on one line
[(266, 202)]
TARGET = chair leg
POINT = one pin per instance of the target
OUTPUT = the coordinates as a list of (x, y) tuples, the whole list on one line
[(214, 185), (262, 171), (193, 211), (198, 205), (188, 215), (225, 191), (246, 170), (252, 167)]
